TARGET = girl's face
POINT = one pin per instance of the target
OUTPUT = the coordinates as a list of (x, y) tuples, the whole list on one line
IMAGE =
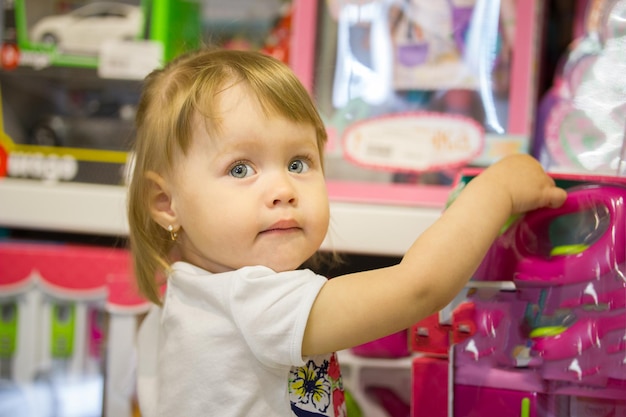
[(253, 195)]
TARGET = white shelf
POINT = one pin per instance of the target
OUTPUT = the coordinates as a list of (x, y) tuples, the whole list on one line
[(376, 229), (66, 207), (100, 209)]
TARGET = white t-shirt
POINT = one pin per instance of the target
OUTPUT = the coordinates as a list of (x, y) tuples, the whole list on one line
[(230, 344)]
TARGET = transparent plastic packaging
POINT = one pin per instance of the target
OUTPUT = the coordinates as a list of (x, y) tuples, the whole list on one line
[(558, 336), (413, 90), (582, 119)]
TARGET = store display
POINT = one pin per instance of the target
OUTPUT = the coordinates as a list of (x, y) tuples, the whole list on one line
[(67, 325), (539, 332)]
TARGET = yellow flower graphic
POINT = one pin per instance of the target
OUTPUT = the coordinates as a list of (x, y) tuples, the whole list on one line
[(311, 386)]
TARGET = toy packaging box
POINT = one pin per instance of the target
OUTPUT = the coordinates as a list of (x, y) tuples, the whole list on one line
[(70, 79), (413, 91), (581, 122), (540, 330)]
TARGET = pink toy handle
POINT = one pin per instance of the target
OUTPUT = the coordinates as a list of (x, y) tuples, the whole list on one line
[(602, 256), (579, 337)]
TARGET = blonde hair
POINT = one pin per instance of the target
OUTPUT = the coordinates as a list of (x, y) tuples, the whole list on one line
[(171, 97)]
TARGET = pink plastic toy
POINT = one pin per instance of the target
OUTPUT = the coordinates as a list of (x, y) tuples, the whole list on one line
[(579, 352), (602, 252), (526, 254), (561, 331)]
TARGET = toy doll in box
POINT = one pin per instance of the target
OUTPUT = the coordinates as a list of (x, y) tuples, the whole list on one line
[(420, 89)]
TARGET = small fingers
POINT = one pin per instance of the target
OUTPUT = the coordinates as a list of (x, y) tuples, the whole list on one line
[(556, 197)]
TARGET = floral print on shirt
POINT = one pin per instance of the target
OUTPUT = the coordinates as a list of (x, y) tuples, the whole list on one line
[(316, 389)]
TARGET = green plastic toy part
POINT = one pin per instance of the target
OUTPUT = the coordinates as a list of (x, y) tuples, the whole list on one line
[(62, 330)]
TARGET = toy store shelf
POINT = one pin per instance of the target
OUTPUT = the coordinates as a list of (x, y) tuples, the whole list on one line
[(64, 207), (381, 229)]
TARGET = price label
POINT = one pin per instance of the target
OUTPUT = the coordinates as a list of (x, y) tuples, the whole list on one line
[(129, 60)]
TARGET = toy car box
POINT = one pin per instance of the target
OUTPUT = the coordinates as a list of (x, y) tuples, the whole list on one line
[(70, 81)]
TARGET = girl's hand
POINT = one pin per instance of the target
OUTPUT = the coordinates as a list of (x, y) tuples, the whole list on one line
[(523, 178)]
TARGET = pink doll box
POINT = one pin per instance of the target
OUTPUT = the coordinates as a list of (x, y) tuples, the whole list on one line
[(402, 108)]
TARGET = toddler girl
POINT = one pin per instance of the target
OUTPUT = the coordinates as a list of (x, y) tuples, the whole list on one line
[(228, 200)]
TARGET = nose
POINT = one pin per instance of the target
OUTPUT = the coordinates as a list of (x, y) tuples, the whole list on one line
[(282, 191)]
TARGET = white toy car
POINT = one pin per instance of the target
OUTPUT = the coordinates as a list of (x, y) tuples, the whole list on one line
[(83, 30)]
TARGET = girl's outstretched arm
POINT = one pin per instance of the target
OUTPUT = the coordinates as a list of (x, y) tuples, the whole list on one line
[(360, 307)]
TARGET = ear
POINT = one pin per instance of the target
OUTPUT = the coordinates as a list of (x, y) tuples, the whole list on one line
[(160, 202)]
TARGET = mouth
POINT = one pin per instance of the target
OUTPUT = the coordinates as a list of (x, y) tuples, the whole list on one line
[(282, 226)]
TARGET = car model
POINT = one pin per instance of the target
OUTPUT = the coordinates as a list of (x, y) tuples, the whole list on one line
[(84, 29), (107, 126)]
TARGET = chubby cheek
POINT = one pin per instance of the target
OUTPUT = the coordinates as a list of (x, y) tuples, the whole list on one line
[(213, 216), (319, 217), (219, 242), (226, 220)]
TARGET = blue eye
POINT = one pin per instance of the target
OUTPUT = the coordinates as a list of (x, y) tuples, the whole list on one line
[(241, 170), (298, 166)]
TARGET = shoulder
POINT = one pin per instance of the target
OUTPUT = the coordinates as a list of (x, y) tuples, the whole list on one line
[(267, 278), (257, 279)]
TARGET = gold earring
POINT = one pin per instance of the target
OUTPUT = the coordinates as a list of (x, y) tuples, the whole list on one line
[(173, 234)]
